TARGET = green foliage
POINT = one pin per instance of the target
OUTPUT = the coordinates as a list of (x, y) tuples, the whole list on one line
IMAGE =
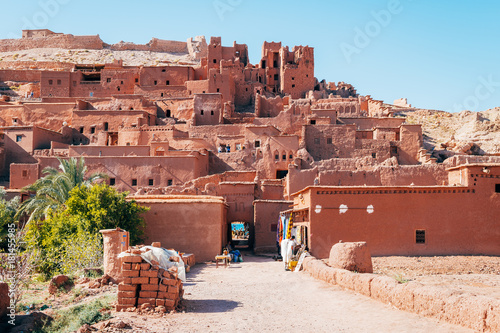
[(400, 278), (72, 319), (102, 207), (8, 211), (81, 251)]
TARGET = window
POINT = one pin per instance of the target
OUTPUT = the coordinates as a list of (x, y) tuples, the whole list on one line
[(293, 78), (161, 94), (374, 155), (150, 182), (19, 138), (106, 126), (293, 85), (118, 88), (316, 141), (420, 236), (112, 181), (155, 83), (212, 113), (169, 113), (497, 188), (218, 90), (136, 80), (313, 122), (81, 129), (283, 157), (92, 130), (215, 61), (134, 182), (394, 151), (290, 156), (328, 141), (25, 173), (51, 82), (276, 77), (167, 83), (163, 70), (201, 112), (169, 182), (257, 143), (108, 80), (58, 82), (121, 82)]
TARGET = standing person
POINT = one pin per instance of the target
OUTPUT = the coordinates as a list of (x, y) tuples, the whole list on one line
[(287, 247)]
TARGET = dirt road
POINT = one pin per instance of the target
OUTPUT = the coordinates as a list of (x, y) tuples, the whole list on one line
[(259, 296)]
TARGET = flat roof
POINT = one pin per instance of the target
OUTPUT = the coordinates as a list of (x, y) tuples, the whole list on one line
[(462, 166)]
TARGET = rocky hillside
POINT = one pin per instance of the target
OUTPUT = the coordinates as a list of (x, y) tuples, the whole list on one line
[(445, 133)]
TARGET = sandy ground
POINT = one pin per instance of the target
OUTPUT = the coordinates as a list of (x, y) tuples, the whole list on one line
[(258, 295)]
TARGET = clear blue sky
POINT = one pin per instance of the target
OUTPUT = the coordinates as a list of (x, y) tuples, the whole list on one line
[(438, 54)]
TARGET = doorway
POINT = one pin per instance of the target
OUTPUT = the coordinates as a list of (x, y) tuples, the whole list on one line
[(240, 235)]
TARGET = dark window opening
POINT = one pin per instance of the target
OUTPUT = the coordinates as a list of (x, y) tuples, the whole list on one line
[(134, 182), (168, 82), (246, 89), (163, 70), (257, 143), (212, 113), (121, 82), (150, 182), (293, 78), (201, 112), (155, 83), (293, 85), (280, 174), (81, 129), (313, 122), (136, 80), (112, 181), (276, 77), (25, 173), (394, 151), (51, 82), (276, 157), (374, 155), (118, 88), (106, 126), (497, 188), (275, 64), (168, 113), (284, 157), (161, 94), (108, 80), (218, 90), (328, 141), (215, 61), (92, 130), (263, 65), (291, 156), (58, 82), (420, 236), (169, 182)]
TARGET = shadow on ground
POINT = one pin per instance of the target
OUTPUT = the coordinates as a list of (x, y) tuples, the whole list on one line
[(209, 305)]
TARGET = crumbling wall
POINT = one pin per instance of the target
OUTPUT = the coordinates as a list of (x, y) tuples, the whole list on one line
[(53, 41)]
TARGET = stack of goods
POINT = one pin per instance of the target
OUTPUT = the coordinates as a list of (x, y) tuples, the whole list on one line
[(189, 261), (147, 284)]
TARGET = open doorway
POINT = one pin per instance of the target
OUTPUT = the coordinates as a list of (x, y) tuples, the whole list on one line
[(240, 235), (280, 174)]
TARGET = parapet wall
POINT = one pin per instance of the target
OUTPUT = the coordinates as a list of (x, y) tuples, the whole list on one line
[(155, 45), (479, 313), (54, 41)]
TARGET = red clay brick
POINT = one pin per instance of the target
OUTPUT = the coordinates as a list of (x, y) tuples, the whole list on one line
[(162, 294), (136, 266), (126, 266), (132, 259), (160, 302), (169, 304), (120, 307), (145, 266), (127, 301), (127, 287), (154, 280), (173, 289), (140, 280), (142, 300), (148, 294), (169, 282), (150, 287), (126, 294), (151, 273), (162, 287), (127, 280), (130, 273), (173, 296)]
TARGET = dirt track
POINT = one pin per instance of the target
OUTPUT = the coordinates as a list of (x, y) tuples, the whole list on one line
[(259, 296)]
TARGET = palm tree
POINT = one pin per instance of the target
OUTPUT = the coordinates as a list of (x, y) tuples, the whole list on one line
[(53, 190)]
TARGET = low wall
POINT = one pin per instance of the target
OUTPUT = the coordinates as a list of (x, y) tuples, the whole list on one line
[(479, 313), (54, 41)]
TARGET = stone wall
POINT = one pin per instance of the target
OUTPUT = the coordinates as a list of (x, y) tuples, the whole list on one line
[(54, 41), (479, 313)]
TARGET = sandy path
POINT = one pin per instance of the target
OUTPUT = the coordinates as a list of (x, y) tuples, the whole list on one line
[(259, 296)]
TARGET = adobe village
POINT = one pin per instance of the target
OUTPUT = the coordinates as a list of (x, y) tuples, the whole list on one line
[(225, 153)]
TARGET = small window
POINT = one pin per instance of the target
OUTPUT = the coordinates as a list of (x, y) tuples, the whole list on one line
[(150, 182), (313, 122), (51, 82), (328, 141), (161, 94), (106, 126), (136, 80), (201, 112), (277, 157), (420, 236), (290, 156), (58, 82), (374, 155), (128, 144), (118, 88), (25, 173), (316, 141), (134, 182), (19, 138), (169, 113), (257, 143), (283, 157), (163, 70), (92, 130), (121, 82), (276, 77), (155, 83), (293, 85), (81, 129), (215, 61), (112, 181), (218, 90), (108, 80), (168, 83), (293, 78), (169, 182), (212, 113), (497, 188)]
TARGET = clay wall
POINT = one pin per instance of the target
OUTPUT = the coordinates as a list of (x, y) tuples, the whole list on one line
[(20, 75), (399, 212), (180, 108), (191, 224), (239, 198), (268, 107), (207, 109), (22, 175), (93, 121), (369, 123), (165, 76), (329, 141), (411, 140), (46, 115), (266, 216), (298, 78), (36, 65), (76, 151), (55, 84)]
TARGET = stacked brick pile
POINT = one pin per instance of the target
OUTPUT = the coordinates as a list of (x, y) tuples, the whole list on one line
[(146, 285)]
